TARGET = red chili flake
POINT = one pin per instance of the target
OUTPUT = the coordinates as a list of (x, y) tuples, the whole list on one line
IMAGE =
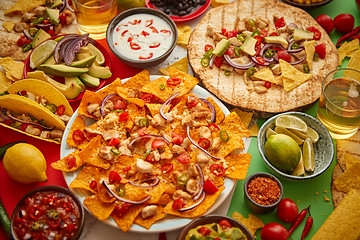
[(263, 190)]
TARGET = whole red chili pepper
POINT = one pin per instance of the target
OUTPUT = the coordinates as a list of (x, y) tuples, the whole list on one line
[(308, 225), (298, 220), (348, 35)]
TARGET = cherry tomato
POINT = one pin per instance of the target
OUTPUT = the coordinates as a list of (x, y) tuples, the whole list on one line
[(274, 231), (114, 177), (113, 141), (321, 50), (192, 101), (267, 84), (224, 224), (204, 231), (282, 54), (78, 136), (157, 143), (325, 22), (344, 22), (208, 47), (178, 204), (218, 61), (124, 116), (118, 104), (280, 23), (210, 187), (317, 33), (287, 210), (176, 138), (183, 158), (148, 98), (22, 41)]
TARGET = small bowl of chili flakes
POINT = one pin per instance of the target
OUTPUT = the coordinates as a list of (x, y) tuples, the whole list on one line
[(48, 212), (262, 192)]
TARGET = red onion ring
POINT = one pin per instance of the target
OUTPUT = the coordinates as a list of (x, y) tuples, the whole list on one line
[(74, 47), (44, 26), (67, 5), (61, 7), (194, 205), (4, 116), (155, 178), (148, 136), (27, 122), (237, 65), (211, 62), (62, 41), (124, 199), (26, 34), (213, 111), (197, 145), (253, 58), (289, 50), (166, 103), (297, 62), (103, 102), (198, 194)]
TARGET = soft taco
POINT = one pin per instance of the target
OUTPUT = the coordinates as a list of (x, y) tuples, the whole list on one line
[(28, 117)]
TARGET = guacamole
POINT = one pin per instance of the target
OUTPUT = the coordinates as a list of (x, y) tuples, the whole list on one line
[(213, 231)]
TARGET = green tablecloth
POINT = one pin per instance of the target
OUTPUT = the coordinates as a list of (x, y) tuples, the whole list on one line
[(311, 192)]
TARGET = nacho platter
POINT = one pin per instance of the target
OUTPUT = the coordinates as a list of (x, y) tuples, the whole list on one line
[(169, 223)]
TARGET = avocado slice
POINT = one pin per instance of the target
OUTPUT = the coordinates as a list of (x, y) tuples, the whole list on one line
[(300, 35), (76, 81), (237, 234), (53, 15), (221, 47), (39, 37), (70, 91), (99, 71), (82, 56), (62, 70), (89, 80), (87, 62), (249, 46), (276, 39)]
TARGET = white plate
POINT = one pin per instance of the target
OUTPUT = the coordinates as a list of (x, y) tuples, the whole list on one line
[(169, 223)]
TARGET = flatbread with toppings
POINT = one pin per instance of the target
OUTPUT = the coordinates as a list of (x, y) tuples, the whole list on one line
[(255, 35)]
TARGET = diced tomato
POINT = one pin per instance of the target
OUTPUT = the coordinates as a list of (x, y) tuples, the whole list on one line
[(46, 21), (192, 101), (155, 45), (51, 32), (150, 159), (204, 231), (223, 30), (78, 136), (93, 184), (208, 47), (280, 23), (146, 57), (36, 234), (230, 34), (114, 177), (317, 33), (113, 141), (148, 23), (157, 143), (213, 127), (321, 50), (218, 61), (260, 60), (118, 104), (173, 81), (268, 84), (121, 208), (264, 33), (70, 162), (134, 46), (284, 55), (210, 187), (204, 143), (274, 34), (178, 204), (154, 30), (19, 222), (23, 126), (148, 98), (62, 18), (176, 138), (143, 131), (70, 228), (224, 224), (22, 41), (166, 168), (60, 110), (183, 158), (230, 51), (124, 116)]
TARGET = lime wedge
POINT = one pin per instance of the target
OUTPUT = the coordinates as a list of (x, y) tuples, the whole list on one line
[(41, 53), (100, 59), (299, 170), (312, 134), (308, 155), (269, 133), (285, 131), (291, 122)]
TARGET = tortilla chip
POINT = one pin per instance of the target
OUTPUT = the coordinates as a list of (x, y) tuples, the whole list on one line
[(122, 93), (138, 81), (349, 179), (146, 223), (350, 160), (354, 63), (98, 208), (197, 211), (347, 49), (9, 26), (266, 75), (184, 32), (62, 163), (292, 77), (188, 82), (24, 6), (218, 3), (103, 194), (90, 153), (310, 51), (237, 165), (78, 124), (246, 117), (254, 130), (154, 108), (164, 199), (84, 178), (88, 98), (220, 115), (109, 88), (252, 223), (125, 220), (4, 82), (181, 65), (154, 88), (13, 68), (156, 193)]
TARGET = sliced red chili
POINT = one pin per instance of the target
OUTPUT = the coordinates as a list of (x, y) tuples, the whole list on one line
[(144, 33), (150, 159), (70, 162), (67, 206), (124, 32), (165, 31), (148, 22), (19, 222), (154, 30), (93, 185), (54, 223), (173, 81), (114, 177), (166, 168), (154, 45), (146, 57), (135, 22), (260, 60), (183, 158), (78, 136), (208, 47), (264, 33), (204, 143), (52, 200), (35, 212), (217, 169), (134, 46), (213, 127), (60, 110), (123, 117)]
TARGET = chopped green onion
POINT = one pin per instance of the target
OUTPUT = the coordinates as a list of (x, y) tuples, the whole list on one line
[(115, 151), (224, 136), (227, 72), (120, 190), (250, 72), (205, 61), (306, 68), (183, 179), (143, 122), (270, 53), (162, 86)]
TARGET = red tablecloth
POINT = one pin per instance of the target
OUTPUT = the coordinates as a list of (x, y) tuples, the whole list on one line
[(11, 191)]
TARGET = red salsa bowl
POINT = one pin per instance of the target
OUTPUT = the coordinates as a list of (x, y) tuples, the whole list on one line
[(48, 212)]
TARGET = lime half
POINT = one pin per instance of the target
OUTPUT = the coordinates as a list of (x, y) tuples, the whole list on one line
[(308, 155), (100, 59), (41, 53), (291, 122)]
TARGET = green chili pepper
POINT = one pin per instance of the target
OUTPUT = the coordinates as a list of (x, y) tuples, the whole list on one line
[(183, 179), (250, 72), (120, 190), (32, 31), (119, 110), (227, 72), (115, 151), (49, 3), (306, 68), (147, 153), (237, 51), (241, 37), (294, 46), (38, 225), (143, 122), (52, 213), (270, 53), (15, 124), (162, 86), (252, 22), (316, 57), (224, 136), (4, 93), (209, 53), (271, 65), (38, 20), (26, 47), (205, 61), (51, 107), (161, 149), (255, 33)]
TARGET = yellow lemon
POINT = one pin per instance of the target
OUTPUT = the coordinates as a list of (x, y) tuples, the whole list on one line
[(25, 163)]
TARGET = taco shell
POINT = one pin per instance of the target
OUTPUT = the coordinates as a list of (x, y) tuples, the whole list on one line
[(40, 88)]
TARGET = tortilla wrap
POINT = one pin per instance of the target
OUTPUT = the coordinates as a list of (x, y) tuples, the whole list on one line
[(232, 89), (19, 104), (40, 88)]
